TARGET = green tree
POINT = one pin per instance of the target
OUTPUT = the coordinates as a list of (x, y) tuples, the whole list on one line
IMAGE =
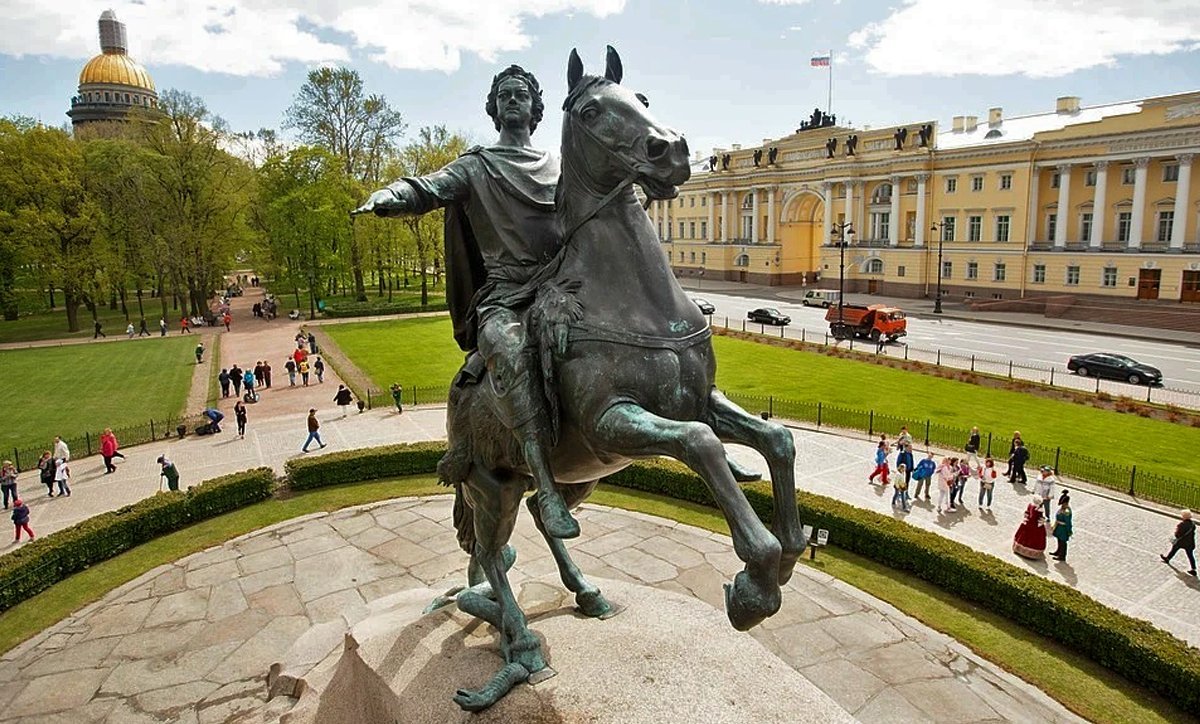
[(333, 111)]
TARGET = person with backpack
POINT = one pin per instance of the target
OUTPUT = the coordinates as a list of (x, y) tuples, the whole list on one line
[(319, 368), (223, 378), (20, 519), (343, 398), (248, 381), (881, 464), (923, 474), (1185, 540)]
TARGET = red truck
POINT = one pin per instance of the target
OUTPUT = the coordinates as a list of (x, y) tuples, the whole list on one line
[(873, 322)]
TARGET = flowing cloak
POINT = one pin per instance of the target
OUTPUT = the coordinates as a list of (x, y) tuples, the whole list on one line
[(500, 225)]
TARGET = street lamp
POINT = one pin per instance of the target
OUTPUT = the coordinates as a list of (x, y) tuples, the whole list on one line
[(844, 231), (937, 301)]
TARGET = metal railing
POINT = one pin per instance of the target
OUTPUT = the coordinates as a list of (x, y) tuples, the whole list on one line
[(1114, 476), (986, 364), (88, 442)]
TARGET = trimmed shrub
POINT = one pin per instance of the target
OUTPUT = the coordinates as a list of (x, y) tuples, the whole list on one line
[(373, 307), (48, 560), (353, 466), (1134, 648)]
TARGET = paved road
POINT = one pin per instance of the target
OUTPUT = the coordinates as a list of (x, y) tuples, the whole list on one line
[(1047, 348)]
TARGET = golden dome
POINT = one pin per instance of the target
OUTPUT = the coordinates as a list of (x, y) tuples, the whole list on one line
[(116, 69)]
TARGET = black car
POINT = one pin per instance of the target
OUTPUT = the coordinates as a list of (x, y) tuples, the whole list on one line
[(706, 307), (767, 315), (1114, 366)]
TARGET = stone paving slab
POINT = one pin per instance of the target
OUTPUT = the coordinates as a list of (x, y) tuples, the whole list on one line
[(193, 642)]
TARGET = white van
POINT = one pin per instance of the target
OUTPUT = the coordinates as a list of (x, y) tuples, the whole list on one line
[(821, 297)]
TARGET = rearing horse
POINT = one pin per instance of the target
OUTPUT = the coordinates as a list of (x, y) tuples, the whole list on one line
[(630, 364)]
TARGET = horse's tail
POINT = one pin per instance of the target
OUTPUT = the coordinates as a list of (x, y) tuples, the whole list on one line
[(464, 520)]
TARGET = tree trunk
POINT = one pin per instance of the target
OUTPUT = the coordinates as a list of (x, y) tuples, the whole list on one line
[(124, 305), (360, 289), (296, 289), (8, 292), (72, 306), (141, 309), (424, 284)]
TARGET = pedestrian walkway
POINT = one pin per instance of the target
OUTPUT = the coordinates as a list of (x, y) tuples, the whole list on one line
[(1113, 556)]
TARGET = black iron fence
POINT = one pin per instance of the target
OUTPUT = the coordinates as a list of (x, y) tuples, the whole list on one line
[(1071, 464), (376, 397), (88, 442)]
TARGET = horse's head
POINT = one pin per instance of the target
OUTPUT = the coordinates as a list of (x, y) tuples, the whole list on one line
[(609, 135)]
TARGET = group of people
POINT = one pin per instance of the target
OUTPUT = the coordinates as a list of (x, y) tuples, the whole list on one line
[(252, 378), (266, 309)]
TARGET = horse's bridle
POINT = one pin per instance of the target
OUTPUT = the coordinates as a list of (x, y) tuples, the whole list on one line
[(631, 175)]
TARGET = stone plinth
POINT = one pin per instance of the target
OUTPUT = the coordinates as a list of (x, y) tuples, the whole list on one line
[(664, 658)]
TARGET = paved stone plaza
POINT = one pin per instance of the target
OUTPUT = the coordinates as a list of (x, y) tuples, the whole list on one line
[(192, 641)]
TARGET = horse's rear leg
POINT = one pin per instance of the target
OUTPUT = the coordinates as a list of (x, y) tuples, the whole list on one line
[(775, 443), (587, 596), (627, 429)]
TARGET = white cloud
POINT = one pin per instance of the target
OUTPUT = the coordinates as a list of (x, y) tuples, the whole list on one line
[(259, 37), (1036, 38)]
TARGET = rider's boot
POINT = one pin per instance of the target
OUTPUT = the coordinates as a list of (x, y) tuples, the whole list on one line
[(556, 519)]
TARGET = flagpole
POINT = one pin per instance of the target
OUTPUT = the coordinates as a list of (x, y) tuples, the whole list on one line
[(829, 107)]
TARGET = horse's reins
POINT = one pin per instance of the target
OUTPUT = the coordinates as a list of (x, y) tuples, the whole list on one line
[(630, 176)]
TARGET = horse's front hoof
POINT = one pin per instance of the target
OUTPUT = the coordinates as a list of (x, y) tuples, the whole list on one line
[(503, 682), (747, 603), (592, 603)]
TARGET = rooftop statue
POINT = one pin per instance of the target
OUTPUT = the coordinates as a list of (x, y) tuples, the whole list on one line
[(621, 358)]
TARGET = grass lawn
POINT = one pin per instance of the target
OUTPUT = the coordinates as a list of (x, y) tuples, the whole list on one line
[(66, 390), (53, 324), (422, 352), (1081, 685)]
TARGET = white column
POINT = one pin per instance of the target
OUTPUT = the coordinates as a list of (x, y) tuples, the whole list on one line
[(655, 213), (667, 218), (1034, 214), (1099, 205), (1141, 167), (848, 209), (1182, 188), (827, 217), (712, 217), (894, 220), (922, 222), (725, 216), (754, 230), (771, 215), (1064, 205)]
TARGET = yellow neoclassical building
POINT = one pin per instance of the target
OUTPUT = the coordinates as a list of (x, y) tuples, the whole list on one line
[(1096, 201)]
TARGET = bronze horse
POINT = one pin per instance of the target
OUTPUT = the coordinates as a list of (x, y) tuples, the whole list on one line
[(629, 369)]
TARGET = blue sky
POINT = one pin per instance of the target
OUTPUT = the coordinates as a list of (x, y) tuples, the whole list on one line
[(721, 71)]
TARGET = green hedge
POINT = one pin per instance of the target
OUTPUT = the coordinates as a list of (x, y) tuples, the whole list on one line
[(372, 308), (353, 466), (1134, 648), (49, 559)]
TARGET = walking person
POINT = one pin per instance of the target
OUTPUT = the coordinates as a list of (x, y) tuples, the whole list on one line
[(267, 374), (62, 477), (108, 449), (129, 330), (987, 481), (258, 374), (99, 330), (904, 461), (20, 519), (61, 451), (398, 397), (1030, 538), (8, 482), (1012, 449), (162, 327), (185, 325), (312, 343), (881, 464), (343, 399), (319, 368), (227, 318), (290, 366), (1185, 540), (223, 378), (1020, 456), (1062, 526), (314, 428), (142, 331), (947, 472), (972, 449), (1044, 487), (923, 474), (904, 438), (235, 379), (239, 412), (960, 482), (900, 487), (248, 382), (168, 471), (46, 471), (199, 352), (304, 371)]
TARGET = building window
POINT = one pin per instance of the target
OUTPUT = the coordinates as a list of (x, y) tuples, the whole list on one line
[(742, 260), (1055, 180), (1039, 273), (900, 270), (1002, 225), (951, 184), (703, 257), (1170, 172), (1000, 272), (692, 201), (947, 269), (948, 228), (1005, 181), (703, 201), (974, 228), (972, 270), (1127, 175), (107, 96), (1110, 277), (692, 257), (880, 224), (1072, 276), (660, 231), (692, 229), (875, 266), (703, 229), (1124, 224), (1085, 226), (680, 229), (1089, 178), (977, 183), (1051, 225), (1166, 219), (681, 257)]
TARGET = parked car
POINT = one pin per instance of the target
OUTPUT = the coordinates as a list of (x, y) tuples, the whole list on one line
[(767, 315), (1114, 366), (706, 307)]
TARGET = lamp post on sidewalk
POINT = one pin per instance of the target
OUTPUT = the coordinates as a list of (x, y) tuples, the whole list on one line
[(939, 230), (845, 231)]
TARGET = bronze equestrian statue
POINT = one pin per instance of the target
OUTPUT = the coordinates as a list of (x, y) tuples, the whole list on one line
[(628, 371)]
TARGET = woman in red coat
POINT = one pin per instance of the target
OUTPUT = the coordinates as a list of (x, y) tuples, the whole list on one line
[(108, 450), (1030, 540)]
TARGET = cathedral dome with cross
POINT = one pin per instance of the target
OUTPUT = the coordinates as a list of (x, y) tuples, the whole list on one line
[(111, 84)]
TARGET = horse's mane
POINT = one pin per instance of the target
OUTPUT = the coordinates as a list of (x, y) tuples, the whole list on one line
[(585, 83)]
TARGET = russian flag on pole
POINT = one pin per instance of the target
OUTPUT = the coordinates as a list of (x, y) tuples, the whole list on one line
[(820, 61)]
